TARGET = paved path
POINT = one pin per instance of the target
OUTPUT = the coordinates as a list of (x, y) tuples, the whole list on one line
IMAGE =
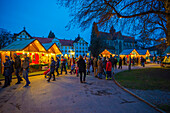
[(67, 95)]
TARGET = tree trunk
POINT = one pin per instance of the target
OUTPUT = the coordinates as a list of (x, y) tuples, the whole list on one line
[(168, 21)]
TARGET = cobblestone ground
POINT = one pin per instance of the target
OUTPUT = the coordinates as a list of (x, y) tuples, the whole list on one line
[(67, 95)]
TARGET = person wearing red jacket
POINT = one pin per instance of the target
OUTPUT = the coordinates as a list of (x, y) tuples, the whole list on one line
[(108, 69)]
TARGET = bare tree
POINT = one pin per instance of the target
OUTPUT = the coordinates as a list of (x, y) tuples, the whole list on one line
[(5, 38), (143, 15)]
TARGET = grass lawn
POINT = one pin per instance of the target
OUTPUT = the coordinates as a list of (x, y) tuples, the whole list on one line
[(148, 78)]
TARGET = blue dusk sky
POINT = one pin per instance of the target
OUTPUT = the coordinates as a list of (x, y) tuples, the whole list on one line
[(39, 17)]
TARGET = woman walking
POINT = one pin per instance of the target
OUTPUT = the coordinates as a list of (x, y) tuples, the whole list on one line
[(100, 68), (88, 65), (82, 69), (108, 69)]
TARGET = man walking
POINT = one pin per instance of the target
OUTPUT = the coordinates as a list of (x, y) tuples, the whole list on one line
[(120, 63), (95, 66), (52, 68), (82, 69), (25, 67), (6, 73), (17, 65), (63, 65), (57, 65), (11, 68)]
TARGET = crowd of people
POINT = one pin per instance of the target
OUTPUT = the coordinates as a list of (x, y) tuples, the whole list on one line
[(19, 66), (80, 66)]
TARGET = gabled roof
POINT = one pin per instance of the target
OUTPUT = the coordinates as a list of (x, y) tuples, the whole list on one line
[(31, 45), (43, 40), (66, 42), (25, 32), (143, 51), (167, 51), (106, 52), (52, 47), (48, 45), (18, 45), (127, 51)]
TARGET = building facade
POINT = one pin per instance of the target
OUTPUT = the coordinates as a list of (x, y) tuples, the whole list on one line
[(113, 41), (68, 48)]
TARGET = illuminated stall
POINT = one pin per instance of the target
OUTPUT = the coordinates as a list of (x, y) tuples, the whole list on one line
[(145, 54), (166, 60), (129, 53), (39, 54), (106, 53), (52, 51)]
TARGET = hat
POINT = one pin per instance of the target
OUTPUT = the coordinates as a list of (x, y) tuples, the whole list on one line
[(15, 54), (25, 54), (7, 57)]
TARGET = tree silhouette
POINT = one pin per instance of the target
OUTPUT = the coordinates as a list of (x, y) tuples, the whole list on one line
[(51, 35), (143, 15)]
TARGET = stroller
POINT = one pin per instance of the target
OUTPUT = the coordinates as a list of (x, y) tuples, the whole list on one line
[(72, 68), (47, 73)]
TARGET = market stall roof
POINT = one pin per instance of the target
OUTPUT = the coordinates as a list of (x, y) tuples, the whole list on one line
[(167, 51), (52, 47), (32, 45), (129, 51), (143, 52), (106, 52)]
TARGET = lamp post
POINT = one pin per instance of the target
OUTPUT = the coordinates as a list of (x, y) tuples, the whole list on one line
[(129, 67)]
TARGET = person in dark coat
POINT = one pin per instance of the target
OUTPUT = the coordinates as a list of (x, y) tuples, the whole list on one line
[(6, 73), (82, 69), (100, 68), (95, 66), (17, 65), (57, 64), (120, 63), (11, 68), (115, 63), (63, 65), (91, 62), (124, 60), (142, 61), (112, 60), (25, 66), (52, 69)]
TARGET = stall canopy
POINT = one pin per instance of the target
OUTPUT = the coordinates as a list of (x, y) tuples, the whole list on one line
[(143, 52), (129, 52), (107, 53), (31, 45), (167, 51), (52, 48)]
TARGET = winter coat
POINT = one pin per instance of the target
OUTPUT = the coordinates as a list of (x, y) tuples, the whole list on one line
[(88, 63), (12, 66), (72, 61), (25, 64), (63, 60), (7, 66), (57, 63), (100, 66), (112, 60), (17, 63), (120, 61), (52, 66), (95, 62), (115, 61), (109, 66), (69, 62), (81, 65)]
